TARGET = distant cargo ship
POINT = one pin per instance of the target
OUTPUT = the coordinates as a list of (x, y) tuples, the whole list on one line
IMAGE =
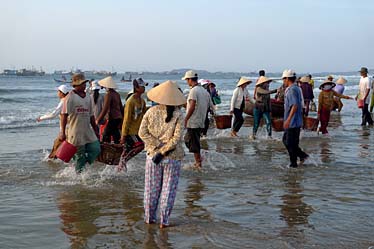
[(88, 74), (32, 72), (10, 72), (23, 72)]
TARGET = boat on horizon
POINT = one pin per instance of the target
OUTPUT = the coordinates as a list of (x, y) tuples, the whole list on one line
[(23, 72), (126, 80)]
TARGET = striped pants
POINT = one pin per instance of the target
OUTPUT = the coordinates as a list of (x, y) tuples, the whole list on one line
[(161, 183)]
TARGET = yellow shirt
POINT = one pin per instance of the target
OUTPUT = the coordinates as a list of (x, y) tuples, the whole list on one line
[(311, 82), (132, 116)]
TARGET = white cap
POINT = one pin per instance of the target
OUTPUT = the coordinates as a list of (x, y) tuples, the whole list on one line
[(288, 73), (203, 82), (64, 89), (95, 85)]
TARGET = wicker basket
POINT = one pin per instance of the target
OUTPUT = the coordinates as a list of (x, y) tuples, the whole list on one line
[(223, 121), (310, 123), (277, 124), (110, 153)]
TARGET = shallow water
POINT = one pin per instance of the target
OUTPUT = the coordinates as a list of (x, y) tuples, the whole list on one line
[(245, 197)]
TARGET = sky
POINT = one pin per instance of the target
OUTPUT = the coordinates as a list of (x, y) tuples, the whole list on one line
[(229, 36)]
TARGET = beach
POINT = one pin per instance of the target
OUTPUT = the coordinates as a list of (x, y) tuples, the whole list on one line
[(245, 196)]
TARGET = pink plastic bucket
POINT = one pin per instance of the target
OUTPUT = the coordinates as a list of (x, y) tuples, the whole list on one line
[(66, 151)]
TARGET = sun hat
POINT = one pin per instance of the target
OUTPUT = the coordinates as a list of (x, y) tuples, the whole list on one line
[(78, 79), (63, 88), (211, 83), (108, 82), (341, 81), (139, 82), (189, 74), (204, 82), (305, 79), (288, 73), (364, 70), (167, 93), (327, 82), (95, 85), (330, 77), (262, 80), (242, 81)]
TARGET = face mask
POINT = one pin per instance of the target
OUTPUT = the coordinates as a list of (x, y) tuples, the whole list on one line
[(327, 87)]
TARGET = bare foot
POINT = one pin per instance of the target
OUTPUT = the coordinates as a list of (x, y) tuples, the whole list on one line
[(234, 134), (197, 166), (163, 226)]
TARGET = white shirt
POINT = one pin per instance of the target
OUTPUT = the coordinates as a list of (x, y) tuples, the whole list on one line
[(55, 112), (237, 98), (80, 111), (364, 86)]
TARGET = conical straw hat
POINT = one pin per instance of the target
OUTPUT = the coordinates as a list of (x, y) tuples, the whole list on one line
[(327, 82), (341, 81), (262, 80), (167, 93), (305, 79), (242, 81), (108, 82)]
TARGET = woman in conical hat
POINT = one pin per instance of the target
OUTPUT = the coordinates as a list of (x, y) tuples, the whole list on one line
[(239, 96), (112, 109), (161, 130), (262, 105), (326, 103), (339, 88)]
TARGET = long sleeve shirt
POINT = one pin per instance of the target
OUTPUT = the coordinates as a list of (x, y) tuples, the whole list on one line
[(159, 136), (263, 99), (326, 99), (237, 98), (132, 116), (54, 113)]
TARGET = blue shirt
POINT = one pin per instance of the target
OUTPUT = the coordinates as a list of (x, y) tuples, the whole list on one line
[(293, 97), (339, 89)]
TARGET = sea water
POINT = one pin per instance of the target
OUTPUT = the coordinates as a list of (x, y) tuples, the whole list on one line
[(245, 196)]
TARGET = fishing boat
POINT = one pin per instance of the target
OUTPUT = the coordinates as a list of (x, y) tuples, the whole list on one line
[(126, 80), (62, 80), (277, 108)]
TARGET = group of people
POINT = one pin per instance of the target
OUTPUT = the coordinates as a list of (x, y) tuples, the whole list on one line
[(160, 128), (329, 99)]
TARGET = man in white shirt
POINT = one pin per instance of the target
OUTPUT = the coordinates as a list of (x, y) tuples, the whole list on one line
[(364, 94), (197, 106), (83, 132)]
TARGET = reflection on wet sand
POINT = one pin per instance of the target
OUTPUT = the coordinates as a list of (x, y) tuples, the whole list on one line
[(89, 212), (192, 196), (335, 120), (78, 216), (365, 144), (294, 211), (229, 146), (156, 238), (325, 151)]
